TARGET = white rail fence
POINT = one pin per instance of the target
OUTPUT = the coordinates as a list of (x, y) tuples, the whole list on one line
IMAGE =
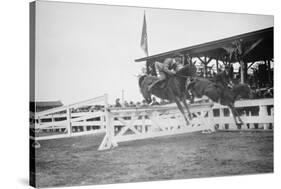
[(128, 125), (62, 122), (257, 114)]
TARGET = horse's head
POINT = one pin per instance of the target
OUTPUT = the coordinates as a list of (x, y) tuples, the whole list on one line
[(144, 82), (241, 91)]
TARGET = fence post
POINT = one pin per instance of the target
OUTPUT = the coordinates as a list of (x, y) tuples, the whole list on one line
[(272, 114), (221, 114), (231, 125), (143, 123), (211, 119), (68, 121), (108, 140), (263, 113)]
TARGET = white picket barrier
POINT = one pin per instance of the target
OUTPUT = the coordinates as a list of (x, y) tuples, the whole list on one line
[(136, 124), (257, 115), (64, 120), (128, 124)]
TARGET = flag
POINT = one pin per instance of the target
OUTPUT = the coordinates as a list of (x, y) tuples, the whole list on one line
[(143, 44)]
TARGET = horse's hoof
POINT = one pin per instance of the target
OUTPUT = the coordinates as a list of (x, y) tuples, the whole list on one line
[(207, 131)]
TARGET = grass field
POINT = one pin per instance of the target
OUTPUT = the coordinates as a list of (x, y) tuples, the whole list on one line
[(76, 161)]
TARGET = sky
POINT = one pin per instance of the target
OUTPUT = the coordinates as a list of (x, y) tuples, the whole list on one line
[(86, 50)]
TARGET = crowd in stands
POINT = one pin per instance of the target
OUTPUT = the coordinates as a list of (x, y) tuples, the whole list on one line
[(263, 93), (118, 104), (258, 93), (138, 104), (94, 108)]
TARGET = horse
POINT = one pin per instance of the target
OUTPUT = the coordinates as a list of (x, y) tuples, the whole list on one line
[(219, 93), (173, 88)]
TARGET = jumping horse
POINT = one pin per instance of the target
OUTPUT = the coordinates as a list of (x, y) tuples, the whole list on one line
[(220, 93), (173, 88)]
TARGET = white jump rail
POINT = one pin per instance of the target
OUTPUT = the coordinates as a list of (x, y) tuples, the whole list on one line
[(136, 124), (68, 120), (128, 124), (263, 119)]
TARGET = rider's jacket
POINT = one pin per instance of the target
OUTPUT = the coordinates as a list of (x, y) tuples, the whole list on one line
[(163, 68)]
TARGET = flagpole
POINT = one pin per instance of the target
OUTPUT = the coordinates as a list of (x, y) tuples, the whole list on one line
[(147, 54), (144, 43)]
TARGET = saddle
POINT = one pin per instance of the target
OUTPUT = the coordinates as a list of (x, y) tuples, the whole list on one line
[(161, 84)]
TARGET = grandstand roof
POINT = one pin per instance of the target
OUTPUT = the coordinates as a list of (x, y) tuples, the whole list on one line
[(263, 50)]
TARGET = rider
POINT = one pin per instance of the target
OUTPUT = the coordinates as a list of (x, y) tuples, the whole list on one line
[(224, 77), (178, 63), (163, 69)]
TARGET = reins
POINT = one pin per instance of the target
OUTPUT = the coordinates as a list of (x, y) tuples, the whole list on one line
[(182, 76)]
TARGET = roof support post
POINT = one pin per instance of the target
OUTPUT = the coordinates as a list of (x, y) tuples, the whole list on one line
[(205, 62), (205, 66), (147, 68), (150, 68), (268, 69), (242, 69), (245, 72), (184, 59), (217, 64)]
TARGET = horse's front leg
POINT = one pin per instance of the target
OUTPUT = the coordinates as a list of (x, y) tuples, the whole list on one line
[(238, 116), (183, 99), (181, 110), (190, 96)]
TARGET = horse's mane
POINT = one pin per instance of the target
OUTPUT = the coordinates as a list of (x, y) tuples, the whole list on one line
[(187, 70)]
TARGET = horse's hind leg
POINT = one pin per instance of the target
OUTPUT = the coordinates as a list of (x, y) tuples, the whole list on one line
[(181, 110), (238, 116), (235, 116)]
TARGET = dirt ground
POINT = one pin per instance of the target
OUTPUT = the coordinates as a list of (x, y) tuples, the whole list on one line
[(76, 161)]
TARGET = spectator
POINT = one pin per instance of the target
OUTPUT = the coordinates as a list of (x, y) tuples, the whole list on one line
[(117, 103), (268, 94), (259, 94), (132, 104), (126, 104), (144, 104), (138, 104), (154, 102)]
